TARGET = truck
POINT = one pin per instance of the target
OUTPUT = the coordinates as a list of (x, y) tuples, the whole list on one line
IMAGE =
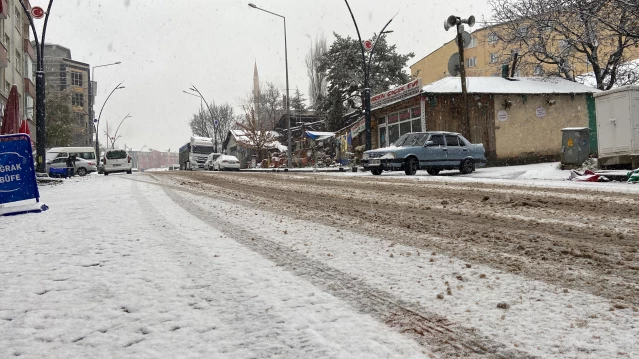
[(618, 127), (194, 153)]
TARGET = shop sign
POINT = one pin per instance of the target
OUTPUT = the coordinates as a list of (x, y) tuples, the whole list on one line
[(404, 91), (358, 128)]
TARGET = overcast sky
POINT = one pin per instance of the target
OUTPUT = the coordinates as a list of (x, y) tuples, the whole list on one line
[(165, 45)]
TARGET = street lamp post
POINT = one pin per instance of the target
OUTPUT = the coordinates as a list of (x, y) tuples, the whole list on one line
[(366, 67), (288, 109), (215, 122), (91, 94), (97, 122), (115, 135), (41, 133)]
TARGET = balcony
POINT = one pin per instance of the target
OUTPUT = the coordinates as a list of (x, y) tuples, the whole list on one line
[(29, 88), (28, 49)]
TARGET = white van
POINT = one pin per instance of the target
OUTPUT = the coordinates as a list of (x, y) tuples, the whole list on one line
[(116, 161), (88, 153)]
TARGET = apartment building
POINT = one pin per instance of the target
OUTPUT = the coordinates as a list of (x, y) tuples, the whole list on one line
[(62, 73), (17, 57), (486, 54)]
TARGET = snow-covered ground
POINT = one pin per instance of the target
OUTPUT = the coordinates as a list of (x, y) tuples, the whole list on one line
[(116, 270), (129, 266)]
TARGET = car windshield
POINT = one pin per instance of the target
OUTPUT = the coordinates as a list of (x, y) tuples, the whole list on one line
[(116, 155), (203, 150), (411, 139)]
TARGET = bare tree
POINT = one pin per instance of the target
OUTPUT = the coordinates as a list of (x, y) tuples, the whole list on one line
[(254, 136), (560, 37), (203, 122), (316, 79), (269, 105)]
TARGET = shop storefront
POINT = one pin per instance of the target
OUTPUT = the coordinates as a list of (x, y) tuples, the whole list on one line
[(398, 111)]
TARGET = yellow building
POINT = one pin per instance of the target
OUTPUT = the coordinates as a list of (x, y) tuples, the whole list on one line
[(486, 54)]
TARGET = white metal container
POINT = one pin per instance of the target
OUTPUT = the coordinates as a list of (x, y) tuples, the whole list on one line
[(618, 126)]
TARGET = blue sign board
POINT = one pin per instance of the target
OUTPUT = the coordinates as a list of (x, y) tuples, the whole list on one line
[(17, 171)]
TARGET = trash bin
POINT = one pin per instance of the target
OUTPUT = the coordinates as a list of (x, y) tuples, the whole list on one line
[(575, 145)]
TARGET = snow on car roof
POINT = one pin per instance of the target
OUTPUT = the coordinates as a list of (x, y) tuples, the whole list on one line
[(499, 85)]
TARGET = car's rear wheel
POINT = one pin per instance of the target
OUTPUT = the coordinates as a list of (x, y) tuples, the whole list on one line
[(411, 166), (129, 172), (467, 166), (81, 172), (432, 171), (106, 173), (376, 171)]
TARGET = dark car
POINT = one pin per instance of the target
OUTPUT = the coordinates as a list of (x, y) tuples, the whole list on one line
[(432, 151)]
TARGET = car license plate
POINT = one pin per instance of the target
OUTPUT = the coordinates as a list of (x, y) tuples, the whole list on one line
[(374, 162), (117, 165)]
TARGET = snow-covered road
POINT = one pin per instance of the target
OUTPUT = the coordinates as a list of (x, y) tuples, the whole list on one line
[(136, 276), (166, 267)]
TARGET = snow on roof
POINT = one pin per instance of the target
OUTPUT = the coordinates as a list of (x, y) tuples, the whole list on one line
[(240, 136), (618, 89), (201, 139), (499, 85)]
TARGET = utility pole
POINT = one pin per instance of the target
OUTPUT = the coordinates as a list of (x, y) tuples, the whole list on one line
[(41, 133), (457, 22)]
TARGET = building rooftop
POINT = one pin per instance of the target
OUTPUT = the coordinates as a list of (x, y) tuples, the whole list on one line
[(500, 85)]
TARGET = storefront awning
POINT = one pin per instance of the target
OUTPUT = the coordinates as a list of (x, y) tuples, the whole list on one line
[(319, 136)]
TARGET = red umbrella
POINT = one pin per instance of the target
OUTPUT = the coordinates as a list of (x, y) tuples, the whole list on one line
[(11, 120)]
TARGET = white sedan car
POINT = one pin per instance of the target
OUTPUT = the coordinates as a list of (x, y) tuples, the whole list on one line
[(225, 162)]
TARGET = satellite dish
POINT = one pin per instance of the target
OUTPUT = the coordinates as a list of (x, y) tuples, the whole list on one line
[(454, 65), (471, 21), (466, 39)]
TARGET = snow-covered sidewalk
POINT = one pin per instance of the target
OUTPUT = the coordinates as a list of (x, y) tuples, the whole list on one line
[(129, 274)]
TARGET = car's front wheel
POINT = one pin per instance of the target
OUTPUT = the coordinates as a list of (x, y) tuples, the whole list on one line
[(432, 171), (376, 171), (411, 166), (81, 172), (106, 173), (467, 166)]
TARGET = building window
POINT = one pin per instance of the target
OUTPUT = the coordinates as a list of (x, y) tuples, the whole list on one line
[(548, 26), (18, 64), (522, 31), (7, 86), (473, 43), (7, 41), (471, 62), (539, 70), (493, 38), (399, 123), (77, 99), (494, 57), (18, 21), (76, 78)]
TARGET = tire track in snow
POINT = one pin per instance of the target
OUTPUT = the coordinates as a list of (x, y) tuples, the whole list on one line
[(428, 329)]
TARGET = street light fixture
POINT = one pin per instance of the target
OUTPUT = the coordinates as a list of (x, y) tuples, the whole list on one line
[(97, 121), (366, 67), (92, 95), (215, 122), (115, 135), (288, 109)]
